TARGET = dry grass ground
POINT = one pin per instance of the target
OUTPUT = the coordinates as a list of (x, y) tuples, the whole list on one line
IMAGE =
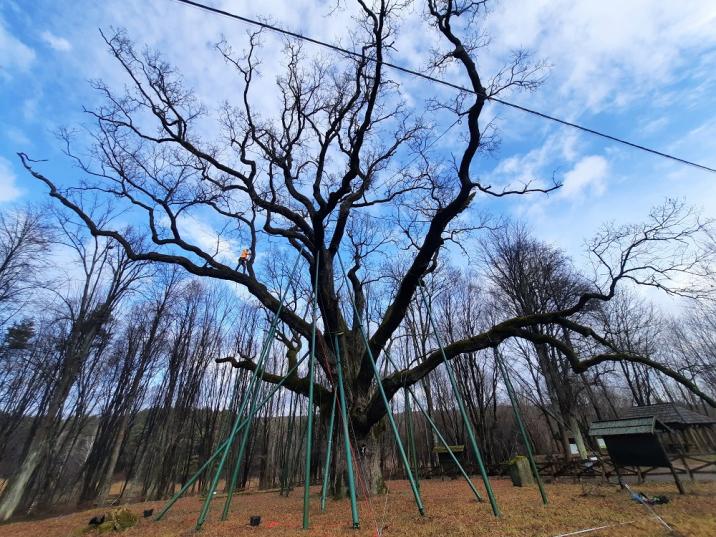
[(450, 511)]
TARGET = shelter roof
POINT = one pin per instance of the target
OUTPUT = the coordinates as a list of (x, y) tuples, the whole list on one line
[(645, 425), (669, 414)]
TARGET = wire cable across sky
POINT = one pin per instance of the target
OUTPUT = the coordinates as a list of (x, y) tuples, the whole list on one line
[(446, 83)]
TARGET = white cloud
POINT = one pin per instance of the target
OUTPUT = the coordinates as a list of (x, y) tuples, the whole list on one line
[(16, 136), (606, 53), (29, 108), (8, 188), (537, 165), (58, 43), (654, 126), (699, 143), (588, 177), (206, 237), (14, 54)]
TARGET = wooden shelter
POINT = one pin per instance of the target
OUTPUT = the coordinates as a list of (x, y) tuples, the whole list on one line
[(688, 432), (635, 442), (447, 465)]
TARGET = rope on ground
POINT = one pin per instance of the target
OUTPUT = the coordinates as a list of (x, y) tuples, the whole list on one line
[(596, 528), (646, 505), (653, 513)]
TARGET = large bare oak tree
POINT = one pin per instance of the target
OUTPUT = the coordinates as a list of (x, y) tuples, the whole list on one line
[(310, 176)]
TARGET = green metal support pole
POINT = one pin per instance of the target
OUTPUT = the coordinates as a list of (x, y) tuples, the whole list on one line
[(441, 438), (307, 476), (244, 442), (309, 425), (217, 475), (412, 452), (191, 480), (523, 430), (267, 344), (384, 397), (242, 446), (463, 412), (286, 466), (329, 448), (237, 466), (219, 450), (346, 437)]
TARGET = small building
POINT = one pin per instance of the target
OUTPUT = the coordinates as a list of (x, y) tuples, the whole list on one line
[(447, 464), (635, 442), (687, 431)]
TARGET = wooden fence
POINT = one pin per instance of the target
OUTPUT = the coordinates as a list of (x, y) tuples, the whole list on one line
[(691, 466)]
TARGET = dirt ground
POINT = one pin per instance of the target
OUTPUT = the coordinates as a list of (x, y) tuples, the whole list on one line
[(450, 510)]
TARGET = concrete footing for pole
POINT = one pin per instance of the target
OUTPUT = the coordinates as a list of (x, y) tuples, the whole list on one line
[(520, 472)]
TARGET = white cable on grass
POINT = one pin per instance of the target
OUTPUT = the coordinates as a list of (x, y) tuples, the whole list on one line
[(648, 507), (595, 529)]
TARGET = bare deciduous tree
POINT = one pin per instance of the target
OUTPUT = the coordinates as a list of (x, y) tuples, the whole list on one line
[(24, 238), (108, 275), (306, 179)]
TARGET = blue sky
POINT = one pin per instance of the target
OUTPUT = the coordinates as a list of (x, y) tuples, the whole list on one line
[(641, 70)]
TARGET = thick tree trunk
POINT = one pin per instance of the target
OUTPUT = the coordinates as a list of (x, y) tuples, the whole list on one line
[(39, 447), (105, 483), (564, 438), (578, 439), (15, 489), (369, 476), (366, 446), (365, 452)]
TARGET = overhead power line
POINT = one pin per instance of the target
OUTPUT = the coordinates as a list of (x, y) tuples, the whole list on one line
[(446, 83)]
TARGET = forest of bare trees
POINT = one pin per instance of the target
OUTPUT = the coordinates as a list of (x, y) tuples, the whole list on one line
[(110, 387), (126, 345)]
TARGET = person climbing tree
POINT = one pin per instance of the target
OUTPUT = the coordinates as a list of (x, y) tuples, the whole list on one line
[(244, 259)]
